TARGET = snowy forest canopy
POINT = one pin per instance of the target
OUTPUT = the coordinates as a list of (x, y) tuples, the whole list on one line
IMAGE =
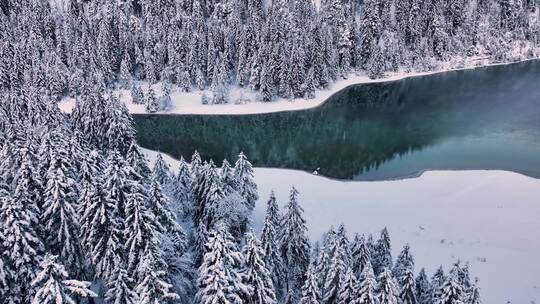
[(85, 217), (285, 48)]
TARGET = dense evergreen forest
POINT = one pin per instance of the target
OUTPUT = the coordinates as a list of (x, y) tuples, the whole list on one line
[(281, 48), (85, 219)]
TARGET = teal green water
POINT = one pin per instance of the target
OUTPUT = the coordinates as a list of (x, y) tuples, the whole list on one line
[(487, 118)]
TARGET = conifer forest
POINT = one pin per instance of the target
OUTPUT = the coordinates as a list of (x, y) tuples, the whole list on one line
[(88, 217)]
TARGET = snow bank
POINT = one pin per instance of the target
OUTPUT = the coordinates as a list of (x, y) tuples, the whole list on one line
[(490, 219), (190, 102)]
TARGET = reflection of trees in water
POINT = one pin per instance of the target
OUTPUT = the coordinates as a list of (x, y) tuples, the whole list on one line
[(358, 130), (330, 139)]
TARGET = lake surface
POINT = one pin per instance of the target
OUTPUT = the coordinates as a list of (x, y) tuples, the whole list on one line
[(486, 118)]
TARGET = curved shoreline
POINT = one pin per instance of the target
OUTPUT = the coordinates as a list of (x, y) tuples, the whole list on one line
[(189, 103), (173, 162)]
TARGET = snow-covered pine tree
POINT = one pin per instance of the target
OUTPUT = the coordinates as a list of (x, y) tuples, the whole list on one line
[(137, 160), (348, 292), (269, 241), (437, 281), (116, 182), (367, 293), (464, 278), (137, 96), (344, 244), (382, 256), (220, 280), (195, 167), (59, 215), (387, 292), (125, 70), (100, 231), (375, 64), (257, 275), (141, 228), (336, 271), (404, 263), (153, 286), (120, 289), (151, 104), (294, 243), (4, 270), (220, 85), (227, 179), (209, 196), (28, 185), (91, 168), (53, 286), (181, 189), (160, 207), (422, 287), (360, 254), (473, 296), (310, 289), (165, 100), (324, 257), (161, 172), (119, 133), (245, 180), (451, 292), (407, 293), (22, 245)]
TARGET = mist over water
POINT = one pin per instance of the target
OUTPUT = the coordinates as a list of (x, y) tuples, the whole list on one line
[(487, 118)]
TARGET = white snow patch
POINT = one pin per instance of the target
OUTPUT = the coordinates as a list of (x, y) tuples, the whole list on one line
[(190, 102), (487, 218)]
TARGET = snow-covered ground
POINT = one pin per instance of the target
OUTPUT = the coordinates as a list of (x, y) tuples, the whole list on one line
[(190, 102), (490, 219)]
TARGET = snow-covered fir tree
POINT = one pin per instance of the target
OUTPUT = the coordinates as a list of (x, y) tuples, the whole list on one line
[(310, 290), (121, 289), (451, 292), (422, 287), (336, 271), (294, 243), (348, 292), (404, 264), (53, 286), (387, 292), (59, 215), (407, 293), (161, 171), (244, 177), (382, 255), (257, 274), (182, 189), (22, 245), (151, 103), (153, 286), (220, 277), (269, 242), (360, 255), (367, 292), (474, 294)]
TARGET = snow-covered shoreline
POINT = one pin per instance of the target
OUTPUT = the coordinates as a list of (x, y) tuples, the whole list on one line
[(486, 218), (190, 103)]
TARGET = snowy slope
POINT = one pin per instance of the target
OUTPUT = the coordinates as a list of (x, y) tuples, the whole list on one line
[(190, 103), (488, 218)]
